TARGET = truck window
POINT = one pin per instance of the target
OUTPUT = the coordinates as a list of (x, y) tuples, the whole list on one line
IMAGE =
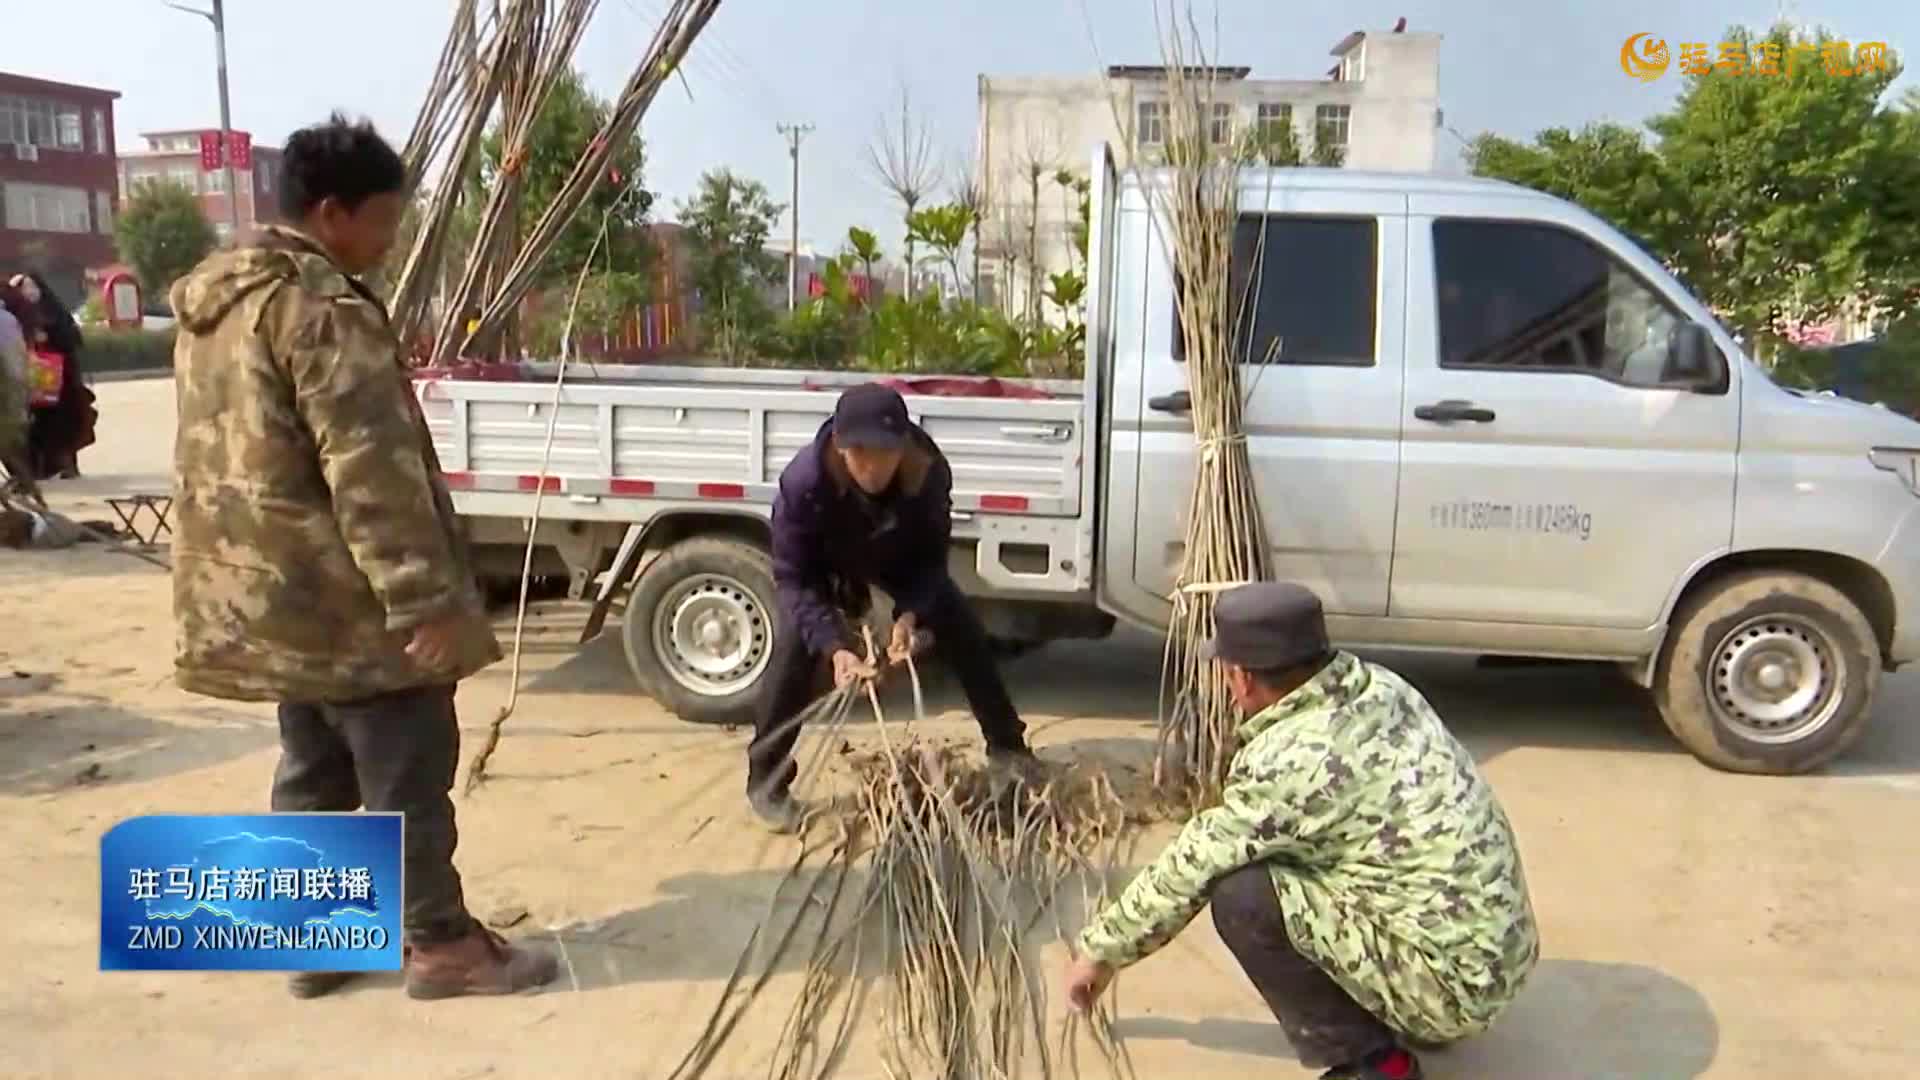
[(1311, 286), (1517, 296)]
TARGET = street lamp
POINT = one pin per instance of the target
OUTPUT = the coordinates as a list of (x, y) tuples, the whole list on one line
[(219, 20)]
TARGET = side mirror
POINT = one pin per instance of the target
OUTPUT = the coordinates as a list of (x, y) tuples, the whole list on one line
[(1694, 361)]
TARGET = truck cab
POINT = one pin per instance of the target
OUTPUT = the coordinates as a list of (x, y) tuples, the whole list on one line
[(1482, 420)]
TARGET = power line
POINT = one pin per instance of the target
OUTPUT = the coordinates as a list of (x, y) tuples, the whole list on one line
[(794, 134)]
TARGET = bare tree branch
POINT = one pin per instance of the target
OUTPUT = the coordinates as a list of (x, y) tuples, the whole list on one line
[(970, 190), (902, 156), (1037, 159)]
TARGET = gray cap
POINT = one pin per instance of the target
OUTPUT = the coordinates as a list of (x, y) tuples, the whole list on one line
[(1268, 626)]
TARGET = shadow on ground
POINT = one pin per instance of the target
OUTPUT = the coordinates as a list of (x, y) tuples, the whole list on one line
[(56, 748), (1492, 708), (1576, 1020)]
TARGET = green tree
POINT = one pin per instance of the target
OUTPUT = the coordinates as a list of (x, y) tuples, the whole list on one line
[(864, 247), (1777, 197), (1607, 168), (162, 234), (1784, 177), (568, 122), (944, 229), (728, 222)]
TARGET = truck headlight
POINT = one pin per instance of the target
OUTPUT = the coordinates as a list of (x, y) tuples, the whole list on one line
[(1903, 463)]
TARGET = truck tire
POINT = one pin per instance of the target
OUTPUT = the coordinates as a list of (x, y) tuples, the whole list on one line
[(1768, 672), (699, 629)]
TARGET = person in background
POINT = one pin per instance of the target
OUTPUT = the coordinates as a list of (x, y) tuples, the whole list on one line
[(15, 394), (63, 429), (1360, 869), (317, 561), (868, 503)]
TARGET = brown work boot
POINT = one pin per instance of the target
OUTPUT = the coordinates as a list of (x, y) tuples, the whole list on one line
[(480, 963), (313, 984)]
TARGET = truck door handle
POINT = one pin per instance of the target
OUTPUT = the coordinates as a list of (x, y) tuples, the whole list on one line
[(1042, 432), (1179, 401), (1446, 412)]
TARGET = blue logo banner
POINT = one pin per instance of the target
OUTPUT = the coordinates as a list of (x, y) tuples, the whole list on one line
[(251, 892)]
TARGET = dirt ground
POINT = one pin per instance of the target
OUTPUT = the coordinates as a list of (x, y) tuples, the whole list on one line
[(1694, 923)]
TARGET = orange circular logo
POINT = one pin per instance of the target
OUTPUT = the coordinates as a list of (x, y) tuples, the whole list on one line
[(1644, 57)]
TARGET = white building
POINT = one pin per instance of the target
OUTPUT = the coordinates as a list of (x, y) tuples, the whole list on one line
[(1379, 105)]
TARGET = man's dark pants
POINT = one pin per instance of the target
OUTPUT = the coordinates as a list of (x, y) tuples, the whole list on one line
[(958, 639), (1326, 1027), (396, 751)]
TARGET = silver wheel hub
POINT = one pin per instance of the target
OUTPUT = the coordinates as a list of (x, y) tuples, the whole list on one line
[(1776, 679), (712, 635)]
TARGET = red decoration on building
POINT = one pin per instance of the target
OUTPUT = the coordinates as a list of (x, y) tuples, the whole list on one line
[(210, 157), (240, 149)]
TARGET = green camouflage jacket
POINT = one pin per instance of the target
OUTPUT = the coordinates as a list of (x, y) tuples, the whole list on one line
[(312, 528), (1394, 867)]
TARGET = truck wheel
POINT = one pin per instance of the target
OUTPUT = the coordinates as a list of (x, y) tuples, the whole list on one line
[(699, 629), (1768, 672)]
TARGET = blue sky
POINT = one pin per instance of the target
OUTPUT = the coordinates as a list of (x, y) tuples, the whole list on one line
[(837, 64)]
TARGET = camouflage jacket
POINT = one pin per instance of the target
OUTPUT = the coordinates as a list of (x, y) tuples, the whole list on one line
[(312, 528), (1393, 865)]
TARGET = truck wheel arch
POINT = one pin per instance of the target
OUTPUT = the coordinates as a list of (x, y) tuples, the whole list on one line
[(670, 527), (1858, 580)]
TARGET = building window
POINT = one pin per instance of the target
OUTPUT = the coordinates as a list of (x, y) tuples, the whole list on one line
[(187, 176), (72, 131), (1312, 285), (1276, 120), (100, 132), (1220, 124), (103, 212), (217, 182), (28, 121), (1150, 126), (1353, 66), (45, 208), (1331, 126), (264, 170)]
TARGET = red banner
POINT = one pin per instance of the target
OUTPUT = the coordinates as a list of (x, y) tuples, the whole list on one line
[(210, 158), (240, 149)]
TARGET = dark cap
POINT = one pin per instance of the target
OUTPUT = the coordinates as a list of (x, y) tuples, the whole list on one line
[(872, 416), (1268, 626)]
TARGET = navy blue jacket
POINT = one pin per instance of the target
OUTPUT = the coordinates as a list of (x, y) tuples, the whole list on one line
[(828, 536)]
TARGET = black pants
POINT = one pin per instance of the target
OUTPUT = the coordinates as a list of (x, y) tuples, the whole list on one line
[(799, 678), (1326, 1027), (392, 752)]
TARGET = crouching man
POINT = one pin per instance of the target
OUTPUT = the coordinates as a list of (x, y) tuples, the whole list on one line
[(868, 503), (317, 562), (1360, 869)]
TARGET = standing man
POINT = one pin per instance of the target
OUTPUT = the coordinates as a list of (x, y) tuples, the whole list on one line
[(1361, 871), (868, 503), (316, 558)]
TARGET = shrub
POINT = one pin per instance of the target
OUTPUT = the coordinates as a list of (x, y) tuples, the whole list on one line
[(127, 350)]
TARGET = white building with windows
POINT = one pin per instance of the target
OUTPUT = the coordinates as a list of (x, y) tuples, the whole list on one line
[(1379, 105)]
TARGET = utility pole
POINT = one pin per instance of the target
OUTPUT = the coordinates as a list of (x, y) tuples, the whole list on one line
[(794, 133), (218, 17)]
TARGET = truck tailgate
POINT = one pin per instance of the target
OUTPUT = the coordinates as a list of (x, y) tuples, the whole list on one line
[(659, 440)]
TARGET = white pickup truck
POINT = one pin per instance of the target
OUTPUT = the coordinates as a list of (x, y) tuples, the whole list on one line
[(1492, 425)]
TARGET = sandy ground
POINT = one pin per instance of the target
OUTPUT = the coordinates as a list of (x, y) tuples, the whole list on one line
[(1695, 924)]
